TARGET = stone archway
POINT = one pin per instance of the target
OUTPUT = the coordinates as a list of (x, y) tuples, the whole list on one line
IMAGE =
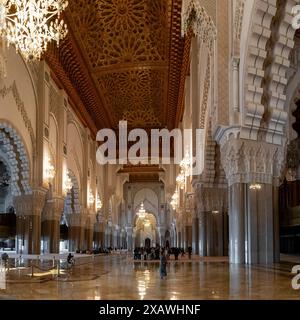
[(145, 229), (28, 203), (14, 152)]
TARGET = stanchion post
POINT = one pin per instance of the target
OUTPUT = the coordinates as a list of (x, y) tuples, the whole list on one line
[(58, 269)]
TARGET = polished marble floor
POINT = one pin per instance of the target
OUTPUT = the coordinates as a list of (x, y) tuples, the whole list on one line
[(115, 277)]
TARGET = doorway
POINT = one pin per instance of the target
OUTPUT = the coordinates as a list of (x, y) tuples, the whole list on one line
[(147, 243)]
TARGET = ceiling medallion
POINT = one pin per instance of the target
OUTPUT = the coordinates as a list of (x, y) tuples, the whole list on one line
[(31, 24)]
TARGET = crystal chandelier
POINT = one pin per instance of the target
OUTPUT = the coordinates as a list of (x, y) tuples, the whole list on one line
[(91, 198), (68, 185), (49, 170), (142, 212), (180, 180), (98, 203), (185, 164), (31, 24), (174, 201)]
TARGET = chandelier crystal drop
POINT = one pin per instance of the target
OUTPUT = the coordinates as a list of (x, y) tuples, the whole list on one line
[(31, 24)]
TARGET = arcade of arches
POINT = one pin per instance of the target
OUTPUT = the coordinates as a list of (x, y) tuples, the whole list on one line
[(229, 69)]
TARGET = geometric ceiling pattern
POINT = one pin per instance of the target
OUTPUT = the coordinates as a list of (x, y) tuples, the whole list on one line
[(126, 45), (122, 60)]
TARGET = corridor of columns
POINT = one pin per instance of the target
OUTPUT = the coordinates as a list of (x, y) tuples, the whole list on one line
[(157, 126)]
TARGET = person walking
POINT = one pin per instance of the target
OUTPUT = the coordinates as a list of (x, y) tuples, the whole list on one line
[(163, 265)]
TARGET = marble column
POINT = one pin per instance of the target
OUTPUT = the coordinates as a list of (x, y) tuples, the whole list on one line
[(276, 224), (260, 225), (89, 237), (28, 229), (251, 168), (97, 238), (129, 238), (225, 233), (179, 244), (195, 236), (51, 224), (202, 234), (188, 234), (237, 223), (76, 232), (89, 232), (162, 232), (210, 234), (220, 234)]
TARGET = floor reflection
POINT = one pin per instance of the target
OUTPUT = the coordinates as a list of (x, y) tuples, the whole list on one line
[(118, 278)]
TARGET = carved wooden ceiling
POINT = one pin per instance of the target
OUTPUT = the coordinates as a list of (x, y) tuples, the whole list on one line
[(122, 60)]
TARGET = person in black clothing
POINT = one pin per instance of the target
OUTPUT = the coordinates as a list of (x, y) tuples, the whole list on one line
[(70, 258), (190, 252), (176, 253)]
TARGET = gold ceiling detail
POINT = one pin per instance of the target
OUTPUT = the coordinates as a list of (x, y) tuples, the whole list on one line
[(118, 32), (122, 59), (136, 94), (126, 47)]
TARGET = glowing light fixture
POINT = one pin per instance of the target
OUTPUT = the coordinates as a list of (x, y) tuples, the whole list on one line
[(49, 171), (147, 223), (31, 24), (180, 180), (142, 212), (91, 198), (174, 201), (185, 164), (68, 185), (98, 203), (255, 186)]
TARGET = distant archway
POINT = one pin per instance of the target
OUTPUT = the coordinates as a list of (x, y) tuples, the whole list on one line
[(146, 229)]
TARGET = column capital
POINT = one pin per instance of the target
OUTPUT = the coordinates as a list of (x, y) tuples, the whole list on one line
[(53, 209), (32, 204), (247, 161)]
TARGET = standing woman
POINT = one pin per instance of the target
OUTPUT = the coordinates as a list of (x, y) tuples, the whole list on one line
[(163, 264)]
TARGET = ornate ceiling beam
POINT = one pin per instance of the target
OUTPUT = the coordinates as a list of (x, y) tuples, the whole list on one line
[(70, 72), (175, 65)]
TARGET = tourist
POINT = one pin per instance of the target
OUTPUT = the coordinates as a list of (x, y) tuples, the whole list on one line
[(163, 264)]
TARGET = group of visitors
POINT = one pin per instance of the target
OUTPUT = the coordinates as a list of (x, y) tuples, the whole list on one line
[(142, 253), (161, 254)]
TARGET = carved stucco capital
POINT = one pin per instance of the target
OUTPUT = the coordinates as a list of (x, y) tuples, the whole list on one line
[(246, 161), (53, 209), (30, 205)]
